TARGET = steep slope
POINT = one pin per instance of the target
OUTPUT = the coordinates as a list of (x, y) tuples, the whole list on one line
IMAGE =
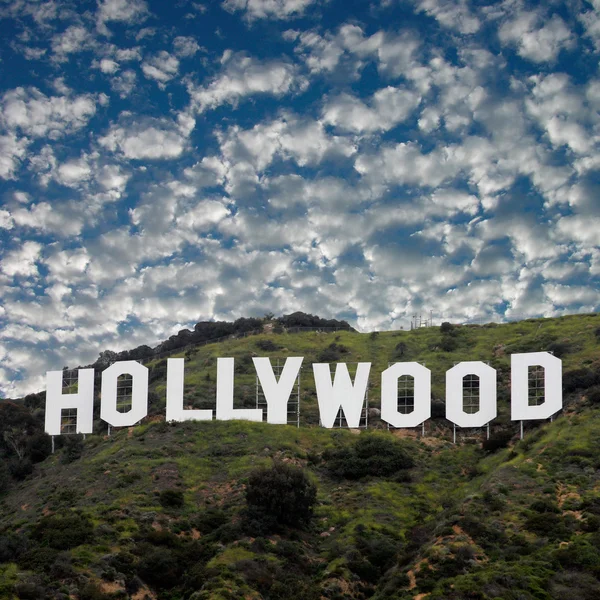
[(159, 510)]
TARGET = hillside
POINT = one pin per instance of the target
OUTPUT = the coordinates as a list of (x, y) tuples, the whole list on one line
[(159, 510)]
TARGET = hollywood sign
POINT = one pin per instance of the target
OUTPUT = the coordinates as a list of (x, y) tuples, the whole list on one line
[(332, 394)]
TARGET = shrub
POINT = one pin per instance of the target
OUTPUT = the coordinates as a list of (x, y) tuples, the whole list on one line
[(548, 525), (210, 519), (593, 395), (159, 567), (332, 353), (545, 506), (579, 554), (28, 590), (91, 591), (12, 546), (580, 379), (375, 455), (20, 468), (448, 343), (72, 450), (39, 447), (559, 349), (4, 477), (498, 440), (438, 409), (63, 532), (282, 492), (267, 345), (446, 327), (400, 350), (171, 499)]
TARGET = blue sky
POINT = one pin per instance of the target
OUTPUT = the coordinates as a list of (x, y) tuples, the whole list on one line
[(163, 163)]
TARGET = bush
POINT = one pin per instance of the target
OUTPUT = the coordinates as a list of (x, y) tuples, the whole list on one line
[(593, 395), (448, 344), (580, 379), (446, 327), (548, 525), (559, 349), (20, 468), (210, 519), (72, 450), (63, 532), (267, 345), (498, 440), (5, 479), (39, 447), (171, 499), (400, 350), (159, 567), (282, 492), (332, 353), (375, 455), (12, 546)]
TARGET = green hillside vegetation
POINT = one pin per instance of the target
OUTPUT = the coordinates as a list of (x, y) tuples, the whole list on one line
[(232, 510)]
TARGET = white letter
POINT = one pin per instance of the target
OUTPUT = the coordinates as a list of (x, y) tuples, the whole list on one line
[(389, 394), (139, 394), (487, 394), (519, 386), (83, 401), (225, 410), (277, 393), (342, 394), (175, 411)]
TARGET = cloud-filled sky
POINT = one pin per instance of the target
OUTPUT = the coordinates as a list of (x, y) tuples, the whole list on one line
[(163, 163)]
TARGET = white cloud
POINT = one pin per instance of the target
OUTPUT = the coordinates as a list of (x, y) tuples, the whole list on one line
[(203, 216), (22, 261), (452, 14), (385, 109), (269, 9), (73, 172), (405, 164), (185, 46), (108, 66), (67, 266), (12, 150), (124, 83), (148, 139), (578, 228), (128, 54), (31, 53), (38, 115), (161, 67), (346, 52), (306, 142), (6, 221), (591, 22), (123, 11), (243, 76), (112, 178), (74, 39), (61, 219), (567, 295), (561, 111), (24, 333), (535, 38)]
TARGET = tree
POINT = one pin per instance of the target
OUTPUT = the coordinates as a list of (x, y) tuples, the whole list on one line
[(281, 492)]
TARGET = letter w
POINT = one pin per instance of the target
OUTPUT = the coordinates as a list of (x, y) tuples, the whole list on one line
[(342, 393)]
